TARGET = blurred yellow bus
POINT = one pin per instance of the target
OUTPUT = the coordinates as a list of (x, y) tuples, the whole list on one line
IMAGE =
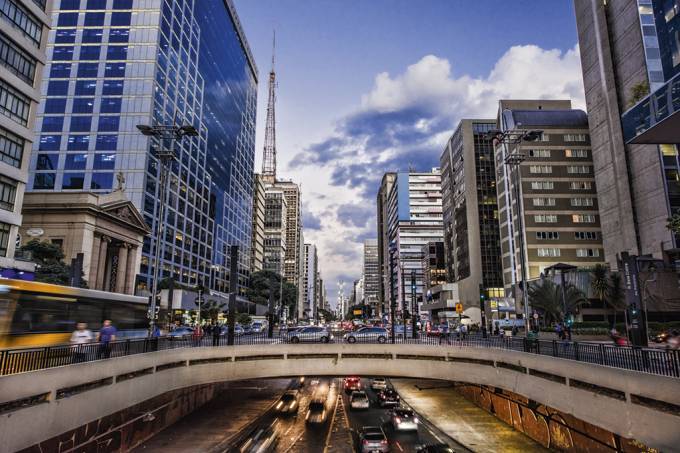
[(41, 314)]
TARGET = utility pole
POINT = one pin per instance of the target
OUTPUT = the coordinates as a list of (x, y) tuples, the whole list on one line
[(393, 296), (414, 305), (233, 288), (270, 311)]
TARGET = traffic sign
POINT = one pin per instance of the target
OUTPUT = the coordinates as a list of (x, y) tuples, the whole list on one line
[(459, 307), (535, 315)]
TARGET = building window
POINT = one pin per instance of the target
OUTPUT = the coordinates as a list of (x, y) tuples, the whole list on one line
[(113, 87), (55, 105), (8, 192), (86, 87), (110, 105), (16, 60), (114, 70), (119, 35), (581, 185), (583, 218), (67, 20), (49, 143), (545, 218), (88, 70), (57, 88), (53, 123), (540, 169), (120, 19), (83, 105), (73, 181), (548, 252), (582, 169), (92, 35), (116, 53), (11, 148), (544, 201), (575, 137), (106, 143), (94, 19), (542, 185), (102, 181), (5, 228), (108, 123), (96, 4), (549, 235), (60, 70), (581, 201), (67, 36), (544, 137), (104, 161), (122, 4), (587, 253), (539, 153), (90, 52), (81, 123), (78, 143), (62, 53), (13, 104), (75, 162), (21, 19), (43, 181), (47, 162), (576, 153), (585, 235)]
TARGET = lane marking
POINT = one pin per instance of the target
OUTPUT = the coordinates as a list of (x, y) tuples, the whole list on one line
[(398, 445), (330, 426)]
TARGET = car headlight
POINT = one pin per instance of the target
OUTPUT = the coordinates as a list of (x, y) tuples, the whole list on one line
[(415, 420)]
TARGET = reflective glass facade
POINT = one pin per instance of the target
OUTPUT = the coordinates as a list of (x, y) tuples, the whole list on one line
[(114, 64)]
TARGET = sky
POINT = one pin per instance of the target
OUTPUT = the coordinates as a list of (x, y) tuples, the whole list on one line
[(369, 86)]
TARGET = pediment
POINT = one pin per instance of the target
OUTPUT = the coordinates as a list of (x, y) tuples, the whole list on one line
[(126, 212)]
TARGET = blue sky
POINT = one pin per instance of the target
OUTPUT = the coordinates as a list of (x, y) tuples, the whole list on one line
[(375, 85)]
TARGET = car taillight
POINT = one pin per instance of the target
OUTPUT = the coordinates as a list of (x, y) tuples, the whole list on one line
[(365, 442), (398, 420), (384, 441)]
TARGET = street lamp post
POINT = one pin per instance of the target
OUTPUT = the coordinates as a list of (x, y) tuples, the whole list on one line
[(393, 296), (166, 157), (514, 160)]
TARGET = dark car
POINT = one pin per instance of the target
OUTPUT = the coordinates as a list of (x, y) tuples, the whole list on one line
[(371, 439), (181, 333), (388, 398), (288, 404), (435, 448)]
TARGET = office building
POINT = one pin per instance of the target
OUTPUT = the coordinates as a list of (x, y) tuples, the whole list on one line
[(371, 275), (434, 266), (383, 242), (309, 282), (24, 29), (275, 219), (630, 59), (115, 64), (471, 230), (557, 191), (414, 219), (257, 241)]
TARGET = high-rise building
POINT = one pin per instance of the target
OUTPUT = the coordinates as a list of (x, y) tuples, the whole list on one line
[(471, 231), (275, 219), (384, 241), (414, 218), (115, 64), (630, 59), (24, 29), (257, 241), (309, 283), (293, 230), (434, 266), (371, 275), (558, 197)]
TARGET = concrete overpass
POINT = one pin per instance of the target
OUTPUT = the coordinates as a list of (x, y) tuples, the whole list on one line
[(40, 405)]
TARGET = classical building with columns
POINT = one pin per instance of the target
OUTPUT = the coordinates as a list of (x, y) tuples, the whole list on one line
[(106, 228)]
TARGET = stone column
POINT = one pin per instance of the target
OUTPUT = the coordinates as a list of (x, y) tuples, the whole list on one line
[(121, 276), (94, 261), (101, 262), (130, 272)]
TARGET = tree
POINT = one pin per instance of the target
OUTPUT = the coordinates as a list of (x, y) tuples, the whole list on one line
[(263, 281), (638, 92), (243, 318), (546, 296), (50, 267), (211, 309), (599, 282), (674, 223), (327, 315)]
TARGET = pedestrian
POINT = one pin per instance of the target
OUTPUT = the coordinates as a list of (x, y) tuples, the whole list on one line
[(80, 337), (105, 336), (198, 335), (216, 334), (674, 340), (155, 334), (444, 332), (496, 330), (463, 331)]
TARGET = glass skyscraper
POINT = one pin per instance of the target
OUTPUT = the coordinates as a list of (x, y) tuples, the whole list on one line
[(114, 64)]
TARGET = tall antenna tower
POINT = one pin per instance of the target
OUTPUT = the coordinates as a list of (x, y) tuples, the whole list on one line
[(269, 161)]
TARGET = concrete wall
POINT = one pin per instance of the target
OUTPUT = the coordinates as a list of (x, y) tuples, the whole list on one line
[(51, 402)]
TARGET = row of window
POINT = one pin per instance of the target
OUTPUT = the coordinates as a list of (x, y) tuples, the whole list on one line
[(550, 185), (85, 88), (578, 235), (11, 148), (584, 169), (78, 143), (545, 153), (16, 60), (83, 105), (81, 124), (4, 236), (69, 5), (78, 161), (551, 201), (13, 104), (555, 252), (73, 181), (91, 35), (118, 19), (8, 192), (22, 19), (575, 218), (93, 52), (63, 70)]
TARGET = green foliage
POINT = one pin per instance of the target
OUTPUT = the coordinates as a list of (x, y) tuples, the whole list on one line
[(169, 281), (638, 92), (50, 265), (546, 297), (599, 282), (327, 315), (243, 318), (211, 309), (262, 282), (674, 223)]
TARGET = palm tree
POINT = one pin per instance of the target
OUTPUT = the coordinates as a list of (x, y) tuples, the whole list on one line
[(546, 296), (599, 282), (616, 296)]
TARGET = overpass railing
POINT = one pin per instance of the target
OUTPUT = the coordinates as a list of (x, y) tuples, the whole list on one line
[(665, 362)]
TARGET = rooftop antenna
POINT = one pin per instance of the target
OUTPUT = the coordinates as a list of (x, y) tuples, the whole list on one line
[(269, 160)]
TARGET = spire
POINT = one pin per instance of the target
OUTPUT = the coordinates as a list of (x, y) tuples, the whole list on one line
[(269, 161)]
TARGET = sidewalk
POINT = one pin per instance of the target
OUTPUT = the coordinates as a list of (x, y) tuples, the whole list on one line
[(461, 419)]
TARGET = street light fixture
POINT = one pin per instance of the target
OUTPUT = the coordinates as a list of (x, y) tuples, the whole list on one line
[(166, 157), (514, 160)]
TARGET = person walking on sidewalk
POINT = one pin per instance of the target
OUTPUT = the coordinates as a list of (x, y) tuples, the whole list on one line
[(444, 332), (80, 337), (105, 336)]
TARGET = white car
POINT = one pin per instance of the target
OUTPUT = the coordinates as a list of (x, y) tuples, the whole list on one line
[(379, 383), (358, 400), (404, 420)]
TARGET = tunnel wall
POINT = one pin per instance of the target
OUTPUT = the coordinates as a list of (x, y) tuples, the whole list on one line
[(40, 405)]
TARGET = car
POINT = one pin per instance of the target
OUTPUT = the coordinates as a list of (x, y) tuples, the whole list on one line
[(247, 329), (435, 448), (359, 400), (312, 334), (181, 333), (403, 419), (379, 383), (399, 331), (316, 411), (388, 398), (367, 334), (373, 439), (288, 404), (238, 330), (351, 383), (258, 327), (262, 439)]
